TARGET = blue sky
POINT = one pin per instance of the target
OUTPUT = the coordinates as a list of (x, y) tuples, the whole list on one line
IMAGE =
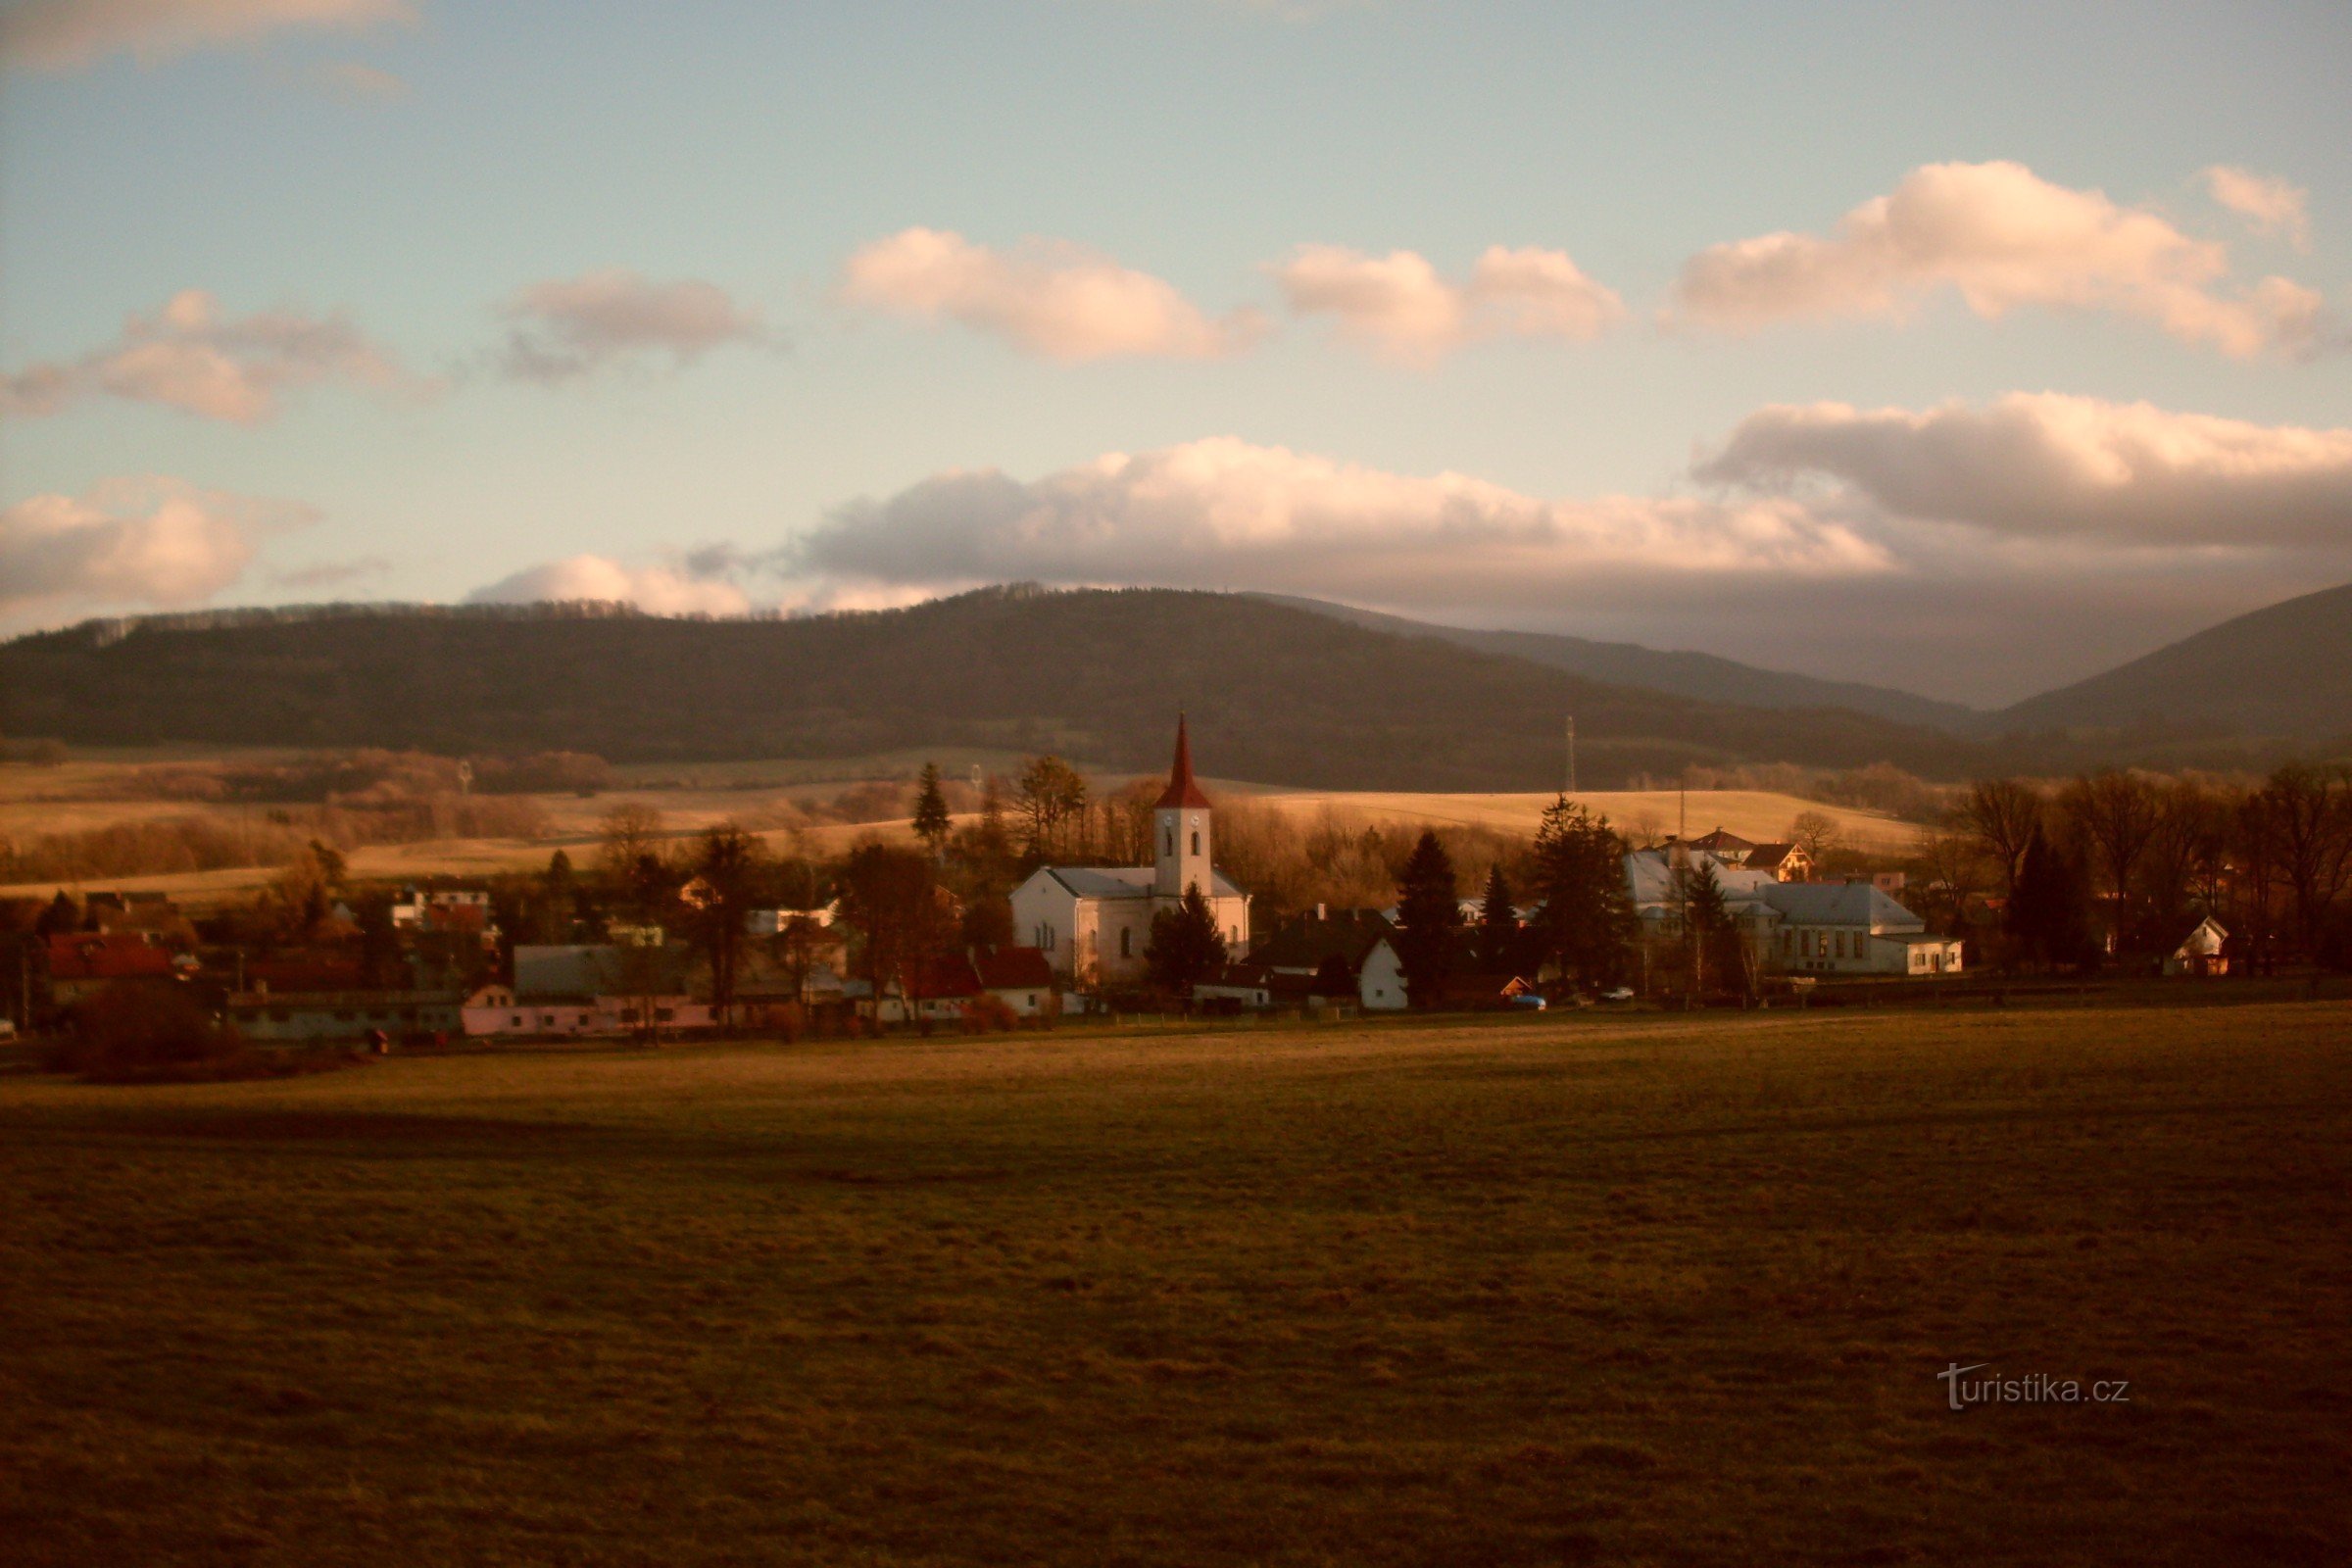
[(2134, 439)]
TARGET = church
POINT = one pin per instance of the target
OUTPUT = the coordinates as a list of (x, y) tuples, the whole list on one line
[(1093, 922)]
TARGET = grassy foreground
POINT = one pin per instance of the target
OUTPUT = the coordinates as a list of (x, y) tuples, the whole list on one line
[(1529, 1291)]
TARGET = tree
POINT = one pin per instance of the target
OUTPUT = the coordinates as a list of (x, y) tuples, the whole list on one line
[(2002, 816), (931, 821), (1706, 919), (1332, 978), (1429, 916), (1051, 794), (1816, 833), (1585, 922), (2307, 812), (719, 899), (2049, 912), (798, 940), (889, 898), (1498, 923), (2113, 815), (629, 835), (1185, 944), (61, 916)]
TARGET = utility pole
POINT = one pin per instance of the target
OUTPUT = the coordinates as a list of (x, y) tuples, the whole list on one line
[(1571, 753)]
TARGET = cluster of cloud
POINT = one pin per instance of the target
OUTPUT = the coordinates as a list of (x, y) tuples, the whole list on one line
[(566, 328), (1222, 511), (1049, 298), (190, 357), (2001, 237), (144, 543), (2041, 466), (67, 34), (1404, 309), (677, 588), (2271, 205)]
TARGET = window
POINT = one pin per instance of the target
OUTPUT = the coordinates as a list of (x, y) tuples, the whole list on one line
[(662, 1014), (1195, 841), (1126, 943), (1171, 841), (515, 1022)]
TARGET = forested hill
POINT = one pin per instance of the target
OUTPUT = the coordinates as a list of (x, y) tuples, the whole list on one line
[(1276, 694), (2284, 669)]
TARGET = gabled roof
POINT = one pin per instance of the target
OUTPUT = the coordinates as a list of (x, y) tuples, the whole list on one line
[(1181, 790), (1126, 881), (943, 978), (1305, 942), (106, 955), (1839, 904), (1015, 970), (1769, 856), (1717, 841)]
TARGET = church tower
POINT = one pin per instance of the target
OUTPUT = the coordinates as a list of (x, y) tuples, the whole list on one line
[(1180, 828)]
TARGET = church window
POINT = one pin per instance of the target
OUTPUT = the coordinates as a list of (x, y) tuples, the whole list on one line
[(1126, 942), (1195, 841), (1171, 841)]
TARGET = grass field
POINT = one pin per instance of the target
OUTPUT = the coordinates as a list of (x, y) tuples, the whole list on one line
[(1650, 1291)]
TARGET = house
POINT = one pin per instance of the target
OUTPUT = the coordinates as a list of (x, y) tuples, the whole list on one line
[(82, 963), (1782, 862), (1362, 940), (287, 1017), (1020, 979), (1094, 923), (597, 989), (442, 910), (1729, 848), (2200, 953), (1797, 928)]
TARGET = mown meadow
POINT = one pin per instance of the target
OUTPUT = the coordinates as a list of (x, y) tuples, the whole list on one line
[(1650, 1290)]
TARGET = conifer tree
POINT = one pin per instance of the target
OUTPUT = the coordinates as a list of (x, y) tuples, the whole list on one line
[(1429, 915), (1185, 944), (931, 821), (1498, 923)]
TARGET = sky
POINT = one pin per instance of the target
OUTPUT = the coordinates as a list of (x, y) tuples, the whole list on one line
[(1968, 349)]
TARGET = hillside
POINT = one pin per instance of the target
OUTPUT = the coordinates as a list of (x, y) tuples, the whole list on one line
[(1703, 676), (2285, 671), (1277, 693)]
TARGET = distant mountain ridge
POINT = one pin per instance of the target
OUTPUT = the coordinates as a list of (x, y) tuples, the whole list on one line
[(1705, 676), (1277, 694), (2285, 671)]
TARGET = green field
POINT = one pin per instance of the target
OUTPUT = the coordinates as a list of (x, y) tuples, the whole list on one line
[(1639, 1289)]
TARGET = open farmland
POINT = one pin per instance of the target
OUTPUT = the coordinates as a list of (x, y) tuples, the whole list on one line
[(1642, 1290), (1762, 815)]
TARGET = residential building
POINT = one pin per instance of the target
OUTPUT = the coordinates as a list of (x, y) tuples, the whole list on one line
[(1363, 940)]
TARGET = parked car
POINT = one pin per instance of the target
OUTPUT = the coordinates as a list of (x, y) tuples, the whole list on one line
[(1530, 1001), (1621, 994)]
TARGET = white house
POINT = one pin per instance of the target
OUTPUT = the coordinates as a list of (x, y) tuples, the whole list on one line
[(1799, 927), (1094, 922), (1364, 940)]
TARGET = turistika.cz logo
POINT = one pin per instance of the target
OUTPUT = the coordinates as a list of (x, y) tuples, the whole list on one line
[(2033, 1387)]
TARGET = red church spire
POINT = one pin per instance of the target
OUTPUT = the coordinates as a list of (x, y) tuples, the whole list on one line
[(1181, 790)]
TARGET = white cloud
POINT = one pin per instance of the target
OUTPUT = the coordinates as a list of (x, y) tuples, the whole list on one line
[(188, 356), (1046, 297), (2041, 465), (2001, 237), (144, 543), (660, 590), (66, 34), (1400, 306), (1222, 512), (566, 328), (2269, 204)]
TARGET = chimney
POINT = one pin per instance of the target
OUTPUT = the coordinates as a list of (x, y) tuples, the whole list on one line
[(1321, 915)]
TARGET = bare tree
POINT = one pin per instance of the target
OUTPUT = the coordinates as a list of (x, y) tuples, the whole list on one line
[(1816, 833), (2309, 816), (2114, 815), (2001, 814)]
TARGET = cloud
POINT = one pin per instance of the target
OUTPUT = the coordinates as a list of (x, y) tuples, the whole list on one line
[(660, 590), (2044, 465), (1222, 512), (330, 574), (2001, 237), (1402, 308), (568, 328), (148, 543), (189, 357), (1048, 298), (67, 34), (357, 83), (2271, 205)]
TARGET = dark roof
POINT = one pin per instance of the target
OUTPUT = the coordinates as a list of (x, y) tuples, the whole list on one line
[(1015, 968), (1181, 790), (1717, 841), (941, 979), (1304, 943), (106, 955), (1765, 856)]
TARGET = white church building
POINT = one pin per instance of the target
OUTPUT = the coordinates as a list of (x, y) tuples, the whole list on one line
[(1094, 922)]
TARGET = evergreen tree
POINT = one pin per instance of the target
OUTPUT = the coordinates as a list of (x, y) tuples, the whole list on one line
[(931, 823), (60, 918), (1185, 944), (1429, 915), (1707, 917), (2049, 912), (1332, 978), (1498, 923), (1587, 925)]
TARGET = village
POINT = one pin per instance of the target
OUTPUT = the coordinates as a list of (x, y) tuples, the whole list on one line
[(666, 940)]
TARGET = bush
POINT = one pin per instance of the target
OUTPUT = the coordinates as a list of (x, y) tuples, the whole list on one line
[(135, 1031)]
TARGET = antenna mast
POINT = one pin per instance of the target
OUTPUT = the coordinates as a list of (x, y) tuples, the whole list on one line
[(1571, 753)]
